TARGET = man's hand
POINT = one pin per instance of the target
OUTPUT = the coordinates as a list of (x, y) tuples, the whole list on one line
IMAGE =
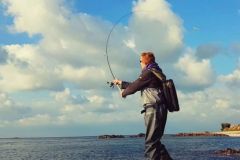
[(117, 82)]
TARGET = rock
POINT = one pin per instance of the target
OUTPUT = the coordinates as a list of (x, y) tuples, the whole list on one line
[(110, 136), (228, 152), (140, 135)]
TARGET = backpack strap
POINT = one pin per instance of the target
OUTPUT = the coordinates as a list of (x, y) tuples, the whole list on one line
[(159, 74)]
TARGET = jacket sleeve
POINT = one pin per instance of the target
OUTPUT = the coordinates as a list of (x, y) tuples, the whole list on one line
[(138, 84), (124, 84)]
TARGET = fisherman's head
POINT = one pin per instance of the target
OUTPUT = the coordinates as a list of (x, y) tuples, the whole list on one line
[(146, 58)]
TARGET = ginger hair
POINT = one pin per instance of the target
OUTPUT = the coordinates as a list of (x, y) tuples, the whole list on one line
[(148, 57)]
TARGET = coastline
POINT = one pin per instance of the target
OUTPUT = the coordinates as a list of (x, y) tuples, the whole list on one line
[(230, 133), (207, 133)]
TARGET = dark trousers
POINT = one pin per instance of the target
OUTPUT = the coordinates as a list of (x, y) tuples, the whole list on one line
[(155, 119)]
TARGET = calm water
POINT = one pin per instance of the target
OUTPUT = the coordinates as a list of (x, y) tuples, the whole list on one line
[(90, 148)]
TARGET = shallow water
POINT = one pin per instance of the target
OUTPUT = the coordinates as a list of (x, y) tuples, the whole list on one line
[(91, 148)]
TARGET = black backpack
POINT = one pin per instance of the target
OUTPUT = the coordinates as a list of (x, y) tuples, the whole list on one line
[(169, 91)]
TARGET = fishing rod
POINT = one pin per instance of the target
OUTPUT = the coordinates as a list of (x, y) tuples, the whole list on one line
[(106, 50), (108, 40)]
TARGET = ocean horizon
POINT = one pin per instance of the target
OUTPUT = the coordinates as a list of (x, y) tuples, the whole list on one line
[(92, 148)]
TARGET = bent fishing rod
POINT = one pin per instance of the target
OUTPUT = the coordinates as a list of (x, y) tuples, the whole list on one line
[(108, 40), (106, 50)]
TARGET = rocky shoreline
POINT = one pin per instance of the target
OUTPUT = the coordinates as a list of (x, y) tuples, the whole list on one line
[(217, 134), (110, 136), (106, 136), (227, 130), (194, 134)]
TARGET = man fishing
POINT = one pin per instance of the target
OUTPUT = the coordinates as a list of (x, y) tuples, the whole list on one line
[(155, 111)]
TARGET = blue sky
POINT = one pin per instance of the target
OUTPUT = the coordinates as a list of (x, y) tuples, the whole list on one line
[(48, 49)]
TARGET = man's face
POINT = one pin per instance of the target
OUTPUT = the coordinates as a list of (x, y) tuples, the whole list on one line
[(141, 63)]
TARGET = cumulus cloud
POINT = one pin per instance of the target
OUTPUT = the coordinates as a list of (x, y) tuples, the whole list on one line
[(206, 109), (11, 110), (86, 77), (66, 96), (155, 27), (5, 101), (23, 21), (16, 79), (35, 120), (74, 113), (232, 80), (67, 51), (65, 109), (194, 74), (66, 42)]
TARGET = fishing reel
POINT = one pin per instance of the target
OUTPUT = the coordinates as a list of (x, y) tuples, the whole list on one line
[(111, 84)]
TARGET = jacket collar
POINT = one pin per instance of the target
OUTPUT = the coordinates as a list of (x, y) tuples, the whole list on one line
[(152, 65)]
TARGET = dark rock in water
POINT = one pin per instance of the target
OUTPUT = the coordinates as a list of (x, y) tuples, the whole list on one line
[(140, 135), (110, 136), (228, 152)]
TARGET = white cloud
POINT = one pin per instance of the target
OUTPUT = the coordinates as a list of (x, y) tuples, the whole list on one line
[(11, 110), (67, 48), (35, 120), (193, 73), (222, 103), (96, 108), (14, 79), (85, 77), (5, 101), (26, 12), (232, 79), (67, 97), (96, 99), (155, 27), (63, 96), (206, 109)]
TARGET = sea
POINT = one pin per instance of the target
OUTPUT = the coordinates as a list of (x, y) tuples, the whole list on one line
[(92, 148)]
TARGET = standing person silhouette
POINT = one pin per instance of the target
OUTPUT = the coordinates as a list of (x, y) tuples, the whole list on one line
[(155, 111)]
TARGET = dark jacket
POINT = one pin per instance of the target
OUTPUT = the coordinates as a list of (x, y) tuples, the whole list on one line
[(149, 85)]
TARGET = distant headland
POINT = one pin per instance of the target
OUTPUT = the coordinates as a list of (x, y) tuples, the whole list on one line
[(227, 130), (230, 127)]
